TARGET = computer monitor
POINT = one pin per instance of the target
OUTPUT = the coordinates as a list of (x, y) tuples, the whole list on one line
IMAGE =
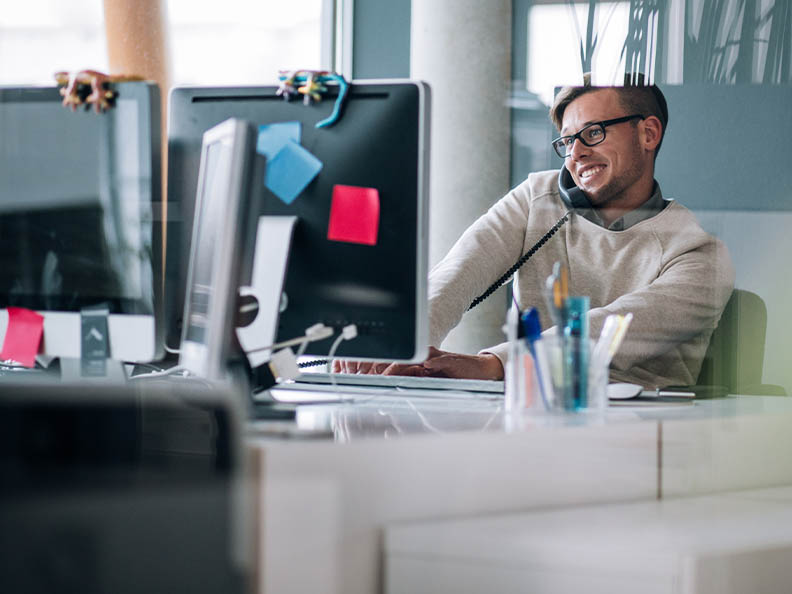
[(222, 231), (77, 225), (381, 141)]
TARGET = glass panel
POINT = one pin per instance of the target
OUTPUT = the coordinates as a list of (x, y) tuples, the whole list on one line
[(725, 67), (241, 41), (40, 37)]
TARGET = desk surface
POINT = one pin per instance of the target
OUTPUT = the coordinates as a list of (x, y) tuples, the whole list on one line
[(392, 413)]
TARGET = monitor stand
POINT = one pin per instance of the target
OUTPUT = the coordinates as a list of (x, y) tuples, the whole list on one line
[(74, 371), (273, 240)]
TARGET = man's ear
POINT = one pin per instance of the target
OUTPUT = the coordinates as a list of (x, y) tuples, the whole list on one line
[(652, 132)]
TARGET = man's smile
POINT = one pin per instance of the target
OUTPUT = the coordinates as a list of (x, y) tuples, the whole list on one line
[(585, 173)]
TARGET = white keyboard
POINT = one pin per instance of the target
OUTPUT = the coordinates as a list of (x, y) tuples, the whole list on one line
[(403, 381)]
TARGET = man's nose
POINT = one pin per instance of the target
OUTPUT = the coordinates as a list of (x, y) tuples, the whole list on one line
[(578, 149)]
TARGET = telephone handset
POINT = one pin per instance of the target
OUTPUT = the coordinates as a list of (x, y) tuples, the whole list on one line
[(571, 195), (573, 198)]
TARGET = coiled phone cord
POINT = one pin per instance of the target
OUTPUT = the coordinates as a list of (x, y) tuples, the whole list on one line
[(525, 257)]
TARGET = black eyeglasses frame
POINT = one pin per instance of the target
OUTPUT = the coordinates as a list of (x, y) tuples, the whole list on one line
[(578, 135)]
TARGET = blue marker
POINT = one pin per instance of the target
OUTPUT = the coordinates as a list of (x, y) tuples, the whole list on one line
[(533, 335)]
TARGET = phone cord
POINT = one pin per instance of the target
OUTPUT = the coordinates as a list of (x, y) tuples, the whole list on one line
[(510, 272)]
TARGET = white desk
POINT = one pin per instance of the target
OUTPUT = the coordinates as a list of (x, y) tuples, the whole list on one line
[(730, 543), (323, 504)]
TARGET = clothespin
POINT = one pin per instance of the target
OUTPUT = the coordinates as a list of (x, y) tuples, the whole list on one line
[(310, 84), (90, 87)]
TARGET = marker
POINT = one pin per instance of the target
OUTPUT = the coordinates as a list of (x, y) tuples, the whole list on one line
[(533, 339)]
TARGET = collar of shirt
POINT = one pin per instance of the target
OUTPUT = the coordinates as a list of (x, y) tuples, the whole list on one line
[(648, 209)]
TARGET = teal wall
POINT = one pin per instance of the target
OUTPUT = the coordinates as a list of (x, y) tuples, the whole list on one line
[(381, 43)]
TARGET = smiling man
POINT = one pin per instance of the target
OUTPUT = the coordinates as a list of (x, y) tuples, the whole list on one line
[(626, 246)]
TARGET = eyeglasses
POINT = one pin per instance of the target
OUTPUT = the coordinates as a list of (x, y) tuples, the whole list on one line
[(591, 135)]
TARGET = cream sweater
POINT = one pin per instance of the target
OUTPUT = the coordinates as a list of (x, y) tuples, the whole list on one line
[(673, 276)]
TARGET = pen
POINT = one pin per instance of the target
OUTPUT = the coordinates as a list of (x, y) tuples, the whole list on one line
[(576, 353), (533, 333)]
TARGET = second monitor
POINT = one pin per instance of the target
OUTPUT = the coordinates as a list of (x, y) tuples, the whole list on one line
[(380, 144)]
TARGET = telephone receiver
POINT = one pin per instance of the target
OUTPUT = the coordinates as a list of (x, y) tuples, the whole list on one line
[(571, 195)]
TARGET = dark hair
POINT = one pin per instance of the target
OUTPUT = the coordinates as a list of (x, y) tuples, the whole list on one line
[(635, 97)]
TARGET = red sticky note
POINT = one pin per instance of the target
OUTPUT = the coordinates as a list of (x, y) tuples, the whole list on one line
[(23, 336), (354, 215)]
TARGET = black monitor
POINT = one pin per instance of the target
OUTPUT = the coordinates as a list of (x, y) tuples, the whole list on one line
[(77, 227), (381, 141), (222, 232)]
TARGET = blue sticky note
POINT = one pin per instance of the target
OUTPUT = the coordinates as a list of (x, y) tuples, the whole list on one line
[(290, 171), (272, 137)]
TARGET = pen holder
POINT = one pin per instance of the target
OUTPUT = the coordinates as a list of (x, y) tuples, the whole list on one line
[(578, 386)]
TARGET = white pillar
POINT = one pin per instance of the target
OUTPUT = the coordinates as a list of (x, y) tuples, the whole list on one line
[(462, 48)]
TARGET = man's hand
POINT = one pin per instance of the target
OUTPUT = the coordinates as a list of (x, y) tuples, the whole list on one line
[(444, 364), (438, 364)]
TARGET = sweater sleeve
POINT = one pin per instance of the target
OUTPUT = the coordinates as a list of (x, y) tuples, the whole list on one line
[(481, 255)]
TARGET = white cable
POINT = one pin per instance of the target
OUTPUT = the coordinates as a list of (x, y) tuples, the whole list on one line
[(347, 333), (171, 371), (314, 333), (171, 350)]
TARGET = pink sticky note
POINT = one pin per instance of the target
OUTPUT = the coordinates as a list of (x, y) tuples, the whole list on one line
[(23, 336), (354, 215)]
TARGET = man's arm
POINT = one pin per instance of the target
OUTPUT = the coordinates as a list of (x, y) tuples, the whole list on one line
[(677, 311), (486, 250)]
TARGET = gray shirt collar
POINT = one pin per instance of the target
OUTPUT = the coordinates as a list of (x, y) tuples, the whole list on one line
[(648, 209)]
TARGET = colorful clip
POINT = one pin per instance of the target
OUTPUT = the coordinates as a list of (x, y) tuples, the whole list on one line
[(90, 87), (310, 84)]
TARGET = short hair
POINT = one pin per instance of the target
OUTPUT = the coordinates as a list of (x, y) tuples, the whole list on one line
[(635, 97)]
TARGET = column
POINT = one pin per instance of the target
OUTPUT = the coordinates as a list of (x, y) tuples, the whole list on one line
[(462, 48)]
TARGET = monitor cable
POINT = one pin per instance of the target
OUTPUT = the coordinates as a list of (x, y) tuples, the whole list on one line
[(347, 333)]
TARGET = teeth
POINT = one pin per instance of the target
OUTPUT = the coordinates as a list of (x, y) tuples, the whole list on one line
[(589, 172)]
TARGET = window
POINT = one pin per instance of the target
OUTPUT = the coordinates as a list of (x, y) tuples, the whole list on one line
[(228, 42), (40, 37), (242, 41), (556, 35)]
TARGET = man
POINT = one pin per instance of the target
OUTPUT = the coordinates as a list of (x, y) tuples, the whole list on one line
[(626, 247)]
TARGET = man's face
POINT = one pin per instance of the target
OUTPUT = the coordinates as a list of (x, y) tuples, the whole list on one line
[(607, 171)]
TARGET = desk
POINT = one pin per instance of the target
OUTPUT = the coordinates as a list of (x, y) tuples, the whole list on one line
[(728, 543), (323, 503)]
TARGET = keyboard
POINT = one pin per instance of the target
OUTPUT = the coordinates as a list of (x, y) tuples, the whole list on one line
[(403, 381)]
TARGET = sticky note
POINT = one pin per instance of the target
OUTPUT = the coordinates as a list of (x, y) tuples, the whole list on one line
[(290, 171), (23, 336), (354, 215), (272, 137)]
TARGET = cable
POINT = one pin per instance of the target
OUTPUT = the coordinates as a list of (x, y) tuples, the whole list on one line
[(314, 363), (144, 365), (315, 332), (510, 272), (347, 333), (172, 371)]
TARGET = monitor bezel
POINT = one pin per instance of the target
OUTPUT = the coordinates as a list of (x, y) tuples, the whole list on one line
[(209, 359), (180, 133), (132, 337)]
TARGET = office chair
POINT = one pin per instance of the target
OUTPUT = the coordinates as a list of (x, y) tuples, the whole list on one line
[(734, 360)]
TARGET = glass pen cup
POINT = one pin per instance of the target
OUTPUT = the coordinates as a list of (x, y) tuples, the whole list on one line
[(578, 383)]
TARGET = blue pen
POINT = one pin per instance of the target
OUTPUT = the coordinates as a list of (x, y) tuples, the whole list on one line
[(533, 334)]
